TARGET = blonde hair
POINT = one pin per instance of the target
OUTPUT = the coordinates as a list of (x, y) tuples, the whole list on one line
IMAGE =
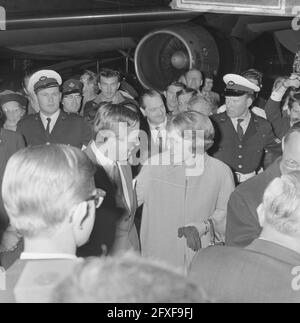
[(130, 279), (42, 184), (281, 204), (193, 121)]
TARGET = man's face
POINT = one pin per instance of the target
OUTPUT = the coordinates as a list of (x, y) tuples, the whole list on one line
[(291, 154), (183, 101), (194, 80), (172, 98), (72, 102), (237, 106), (109, 87), (155, 110), (87, 86), (13, 112), (49, 100), (295, 112), (208, 85), (127, 142)]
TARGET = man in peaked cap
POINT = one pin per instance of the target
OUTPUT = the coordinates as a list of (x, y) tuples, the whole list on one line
[(51, 125), (242, 138), (72, 96)]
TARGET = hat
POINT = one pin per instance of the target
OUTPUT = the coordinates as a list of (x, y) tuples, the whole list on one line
[(10, 96), (72, 86), (43, 80), (237, 85)]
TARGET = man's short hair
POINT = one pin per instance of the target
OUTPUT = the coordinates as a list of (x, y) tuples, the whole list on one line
[(42, 184), (109, 116), (193, 70), (126, 279), (91, 79), (255, 75), (109, 73), (281, 204), (193, 121), (186, 90), (294, 129), (149, 93)]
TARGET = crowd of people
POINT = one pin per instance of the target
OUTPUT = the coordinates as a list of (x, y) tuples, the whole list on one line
[(176, 197)]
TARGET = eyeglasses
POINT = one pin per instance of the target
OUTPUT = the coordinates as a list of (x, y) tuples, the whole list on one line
[(97, 197)]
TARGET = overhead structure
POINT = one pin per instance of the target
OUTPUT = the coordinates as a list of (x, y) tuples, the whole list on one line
[(280, 8)]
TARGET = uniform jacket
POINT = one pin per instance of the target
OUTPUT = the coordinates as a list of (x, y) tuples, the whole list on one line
[(118, 224), (242, 220), (70, 129), (244, 156), (261, 273), (10, 142), (280, 123)]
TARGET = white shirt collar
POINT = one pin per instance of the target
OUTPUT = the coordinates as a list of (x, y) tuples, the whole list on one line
[(44, 256), (162, 126), (101, 158), (246, 119), (53, 118)]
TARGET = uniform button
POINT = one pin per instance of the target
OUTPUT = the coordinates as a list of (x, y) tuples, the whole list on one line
[(240, 156), (240, 146), (240, 166)]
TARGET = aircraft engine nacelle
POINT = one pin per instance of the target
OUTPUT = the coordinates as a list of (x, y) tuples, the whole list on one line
[(164, 55)]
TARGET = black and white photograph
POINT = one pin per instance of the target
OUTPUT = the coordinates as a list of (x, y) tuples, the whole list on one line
[(149, 154)]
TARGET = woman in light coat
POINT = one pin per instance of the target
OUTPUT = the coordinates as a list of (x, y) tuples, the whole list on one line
[(185, 193)]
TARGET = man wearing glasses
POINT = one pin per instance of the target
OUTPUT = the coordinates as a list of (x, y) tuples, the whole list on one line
[(72, 96), (54, 219)]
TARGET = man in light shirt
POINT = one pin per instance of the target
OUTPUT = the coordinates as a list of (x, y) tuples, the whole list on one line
[(55, 218)]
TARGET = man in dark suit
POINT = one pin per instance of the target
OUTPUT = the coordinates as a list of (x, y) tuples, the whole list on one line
[(51, 125), (153, 125), (242, 220), (242, 138), (268, 270), (116, 135)]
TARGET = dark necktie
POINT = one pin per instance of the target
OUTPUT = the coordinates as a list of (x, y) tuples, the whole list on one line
[(159, 140), (48, 126), (239, 129)]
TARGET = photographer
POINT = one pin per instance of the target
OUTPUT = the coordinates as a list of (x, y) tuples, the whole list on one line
[(282, 120)]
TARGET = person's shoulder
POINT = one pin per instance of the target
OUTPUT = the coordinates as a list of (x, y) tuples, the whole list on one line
[(73, 117), (218, 164), (261, 121), (29, 119), (10, 135), (216, 255), (220, 118)]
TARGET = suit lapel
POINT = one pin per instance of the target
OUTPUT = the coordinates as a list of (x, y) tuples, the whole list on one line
[(252, 128)]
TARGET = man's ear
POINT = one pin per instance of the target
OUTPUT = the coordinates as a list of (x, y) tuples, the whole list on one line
[(261, 215), (165, 94), (60, 96), (143, 112), (249, 102), (79, 216), (118, 85)]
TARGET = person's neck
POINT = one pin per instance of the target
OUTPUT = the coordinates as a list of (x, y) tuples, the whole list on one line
[(155, 124), (49, 246), (244, 116), (10, 125), (283, 240), (48, 115)]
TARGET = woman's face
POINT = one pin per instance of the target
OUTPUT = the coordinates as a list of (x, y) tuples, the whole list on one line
[(13, 112), (295, 112)]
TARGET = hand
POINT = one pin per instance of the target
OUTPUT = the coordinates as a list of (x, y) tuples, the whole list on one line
[(293, 81), (192, 236), (10, 240)]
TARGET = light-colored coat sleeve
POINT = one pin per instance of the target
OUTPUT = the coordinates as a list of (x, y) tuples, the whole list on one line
[(142, 185)]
